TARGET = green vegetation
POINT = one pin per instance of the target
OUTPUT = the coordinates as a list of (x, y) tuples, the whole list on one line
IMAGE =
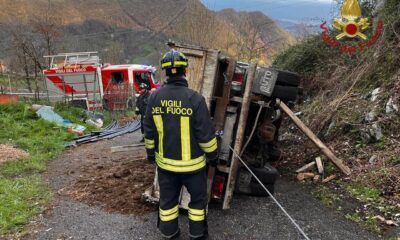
[(327, 196), (22, 192), (355, 217), (21, 199), (364, 194)]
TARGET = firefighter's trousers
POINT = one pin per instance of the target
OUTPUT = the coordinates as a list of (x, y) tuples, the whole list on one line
[(170, 189)]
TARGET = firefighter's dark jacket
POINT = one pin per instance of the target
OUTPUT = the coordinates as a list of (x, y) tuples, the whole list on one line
[(178, 128)]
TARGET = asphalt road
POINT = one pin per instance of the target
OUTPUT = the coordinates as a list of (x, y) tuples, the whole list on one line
[(249, 217)]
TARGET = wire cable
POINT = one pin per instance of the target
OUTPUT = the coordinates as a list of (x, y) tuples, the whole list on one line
[(272, 196), (253, 130)]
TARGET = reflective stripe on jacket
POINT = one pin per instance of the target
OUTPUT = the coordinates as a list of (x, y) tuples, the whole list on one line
[(178, 128)]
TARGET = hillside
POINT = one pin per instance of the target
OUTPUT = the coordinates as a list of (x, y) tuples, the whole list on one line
[(132, 30), (352, 102), (263, 35)]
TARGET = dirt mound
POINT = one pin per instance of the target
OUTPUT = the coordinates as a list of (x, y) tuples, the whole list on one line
[(9, 153), (116, 186)]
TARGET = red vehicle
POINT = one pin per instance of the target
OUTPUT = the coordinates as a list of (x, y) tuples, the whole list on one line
[(80, 76)]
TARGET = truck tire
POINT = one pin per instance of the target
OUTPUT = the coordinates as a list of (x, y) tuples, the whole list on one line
[(267, 174), (258, 191), (285, 93), (288, 79)]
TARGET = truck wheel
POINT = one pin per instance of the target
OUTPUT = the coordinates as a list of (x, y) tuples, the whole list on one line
[(257, 190), (266, 174), (288, 78), (285, 93)]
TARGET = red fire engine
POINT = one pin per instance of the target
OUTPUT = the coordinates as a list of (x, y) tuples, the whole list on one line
[(81, 76)]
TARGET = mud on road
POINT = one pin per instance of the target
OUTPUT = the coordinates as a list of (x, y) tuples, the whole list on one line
[(114, 182), (115, 186)]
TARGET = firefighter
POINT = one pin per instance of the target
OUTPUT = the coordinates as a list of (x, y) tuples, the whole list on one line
[(180, 138), (141, 103)]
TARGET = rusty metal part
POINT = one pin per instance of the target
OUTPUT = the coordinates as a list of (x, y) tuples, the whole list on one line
[(266, 132)]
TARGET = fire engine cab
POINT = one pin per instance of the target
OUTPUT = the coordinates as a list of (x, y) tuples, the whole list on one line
[(81, 77)]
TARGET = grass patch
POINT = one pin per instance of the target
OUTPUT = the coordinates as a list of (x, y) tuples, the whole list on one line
[(364, 194), (327, 196), (355, 217), (22, 192), (20, 200), (43, 140)]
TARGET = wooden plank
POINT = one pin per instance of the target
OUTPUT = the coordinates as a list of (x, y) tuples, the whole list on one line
[(192, 52), (328, 179), (126, 148), (196, 67), (338, 162), (222, 103), (304, 176), (209, 75), (305, 167), (320, 166), (239, 137)]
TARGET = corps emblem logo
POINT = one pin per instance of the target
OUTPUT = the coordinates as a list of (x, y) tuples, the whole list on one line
[(352, 25)]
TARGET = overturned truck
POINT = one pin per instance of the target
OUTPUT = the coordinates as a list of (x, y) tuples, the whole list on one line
[(241, 98)]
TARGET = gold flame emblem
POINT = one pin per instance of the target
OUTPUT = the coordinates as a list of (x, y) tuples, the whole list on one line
[(352, 23)]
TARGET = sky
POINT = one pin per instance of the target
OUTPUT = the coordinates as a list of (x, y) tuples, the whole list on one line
[(289, 10)]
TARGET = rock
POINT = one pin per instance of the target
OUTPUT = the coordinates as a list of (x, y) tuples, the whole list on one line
[(317, 178), (391, 106), (365, 136), (391, 223), (375, 94), (372, 160), (376, 132), (371, 116)]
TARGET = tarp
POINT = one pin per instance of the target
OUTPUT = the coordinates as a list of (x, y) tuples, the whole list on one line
[(47, 113)]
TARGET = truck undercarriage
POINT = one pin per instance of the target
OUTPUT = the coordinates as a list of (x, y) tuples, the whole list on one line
[(242, 102)]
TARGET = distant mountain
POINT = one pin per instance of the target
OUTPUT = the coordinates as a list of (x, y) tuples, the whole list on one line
[(126, 31), (300, 10), (300, 29)]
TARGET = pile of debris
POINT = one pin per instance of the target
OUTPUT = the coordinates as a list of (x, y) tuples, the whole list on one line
[(116, 185), (11, 153), (47, 113), (306, 172)]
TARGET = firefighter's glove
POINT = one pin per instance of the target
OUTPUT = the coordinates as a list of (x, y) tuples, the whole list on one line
[(212, 158), (151, 156)]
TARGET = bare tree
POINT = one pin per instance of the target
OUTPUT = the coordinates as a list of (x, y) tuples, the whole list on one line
[(114, 54), (199, 25), (48, 25)]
